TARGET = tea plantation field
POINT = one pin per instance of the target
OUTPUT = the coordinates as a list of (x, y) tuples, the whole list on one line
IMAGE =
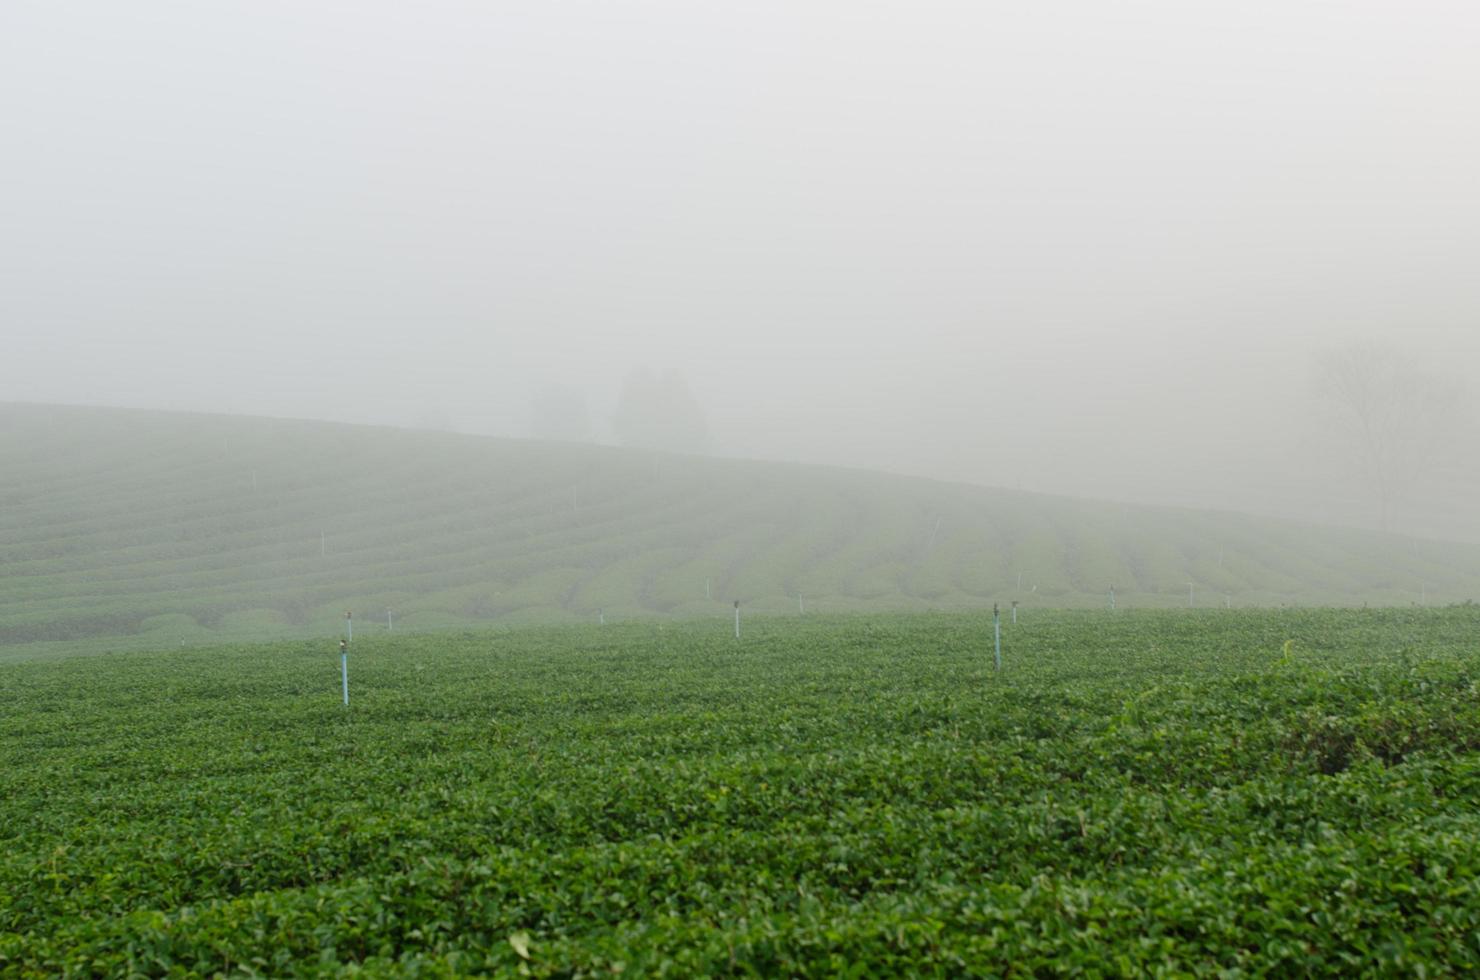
[(153, 529), (1210, 793)]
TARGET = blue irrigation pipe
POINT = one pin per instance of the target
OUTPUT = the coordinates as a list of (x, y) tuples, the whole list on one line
[(997, 633)]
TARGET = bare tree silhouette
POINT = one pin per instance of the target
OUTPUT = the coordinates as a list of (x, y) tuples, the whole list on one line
[(1392, 415)]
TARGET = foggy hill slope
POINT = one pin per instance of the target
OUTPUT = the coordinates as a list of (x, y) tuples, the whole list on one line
[(175, 527)]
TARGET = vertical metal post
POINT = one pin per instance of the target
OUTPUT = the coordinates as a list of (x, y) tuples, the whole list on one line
[(601, 617), (344, 669), (737, 619), (997, 635), (390, 624), (1112, 597), (1014, 612), (801, 609), (349, 628)]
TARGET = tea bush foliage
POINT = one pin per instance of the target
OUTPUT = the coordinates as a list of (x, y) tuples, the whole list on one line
[(1206, 794)]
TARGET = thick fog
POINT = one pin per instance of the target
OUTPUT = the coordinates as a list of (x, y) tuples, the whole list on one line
[(1098, 248)]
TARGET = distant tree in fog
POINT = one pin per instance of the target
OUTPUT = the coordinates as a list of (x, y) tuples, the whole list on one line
[(434, 418), (1390, 415), (658, 411), (560, 413)]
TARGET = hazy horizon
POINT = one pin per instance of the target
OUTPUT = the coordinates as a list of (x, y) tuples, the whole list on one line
[(1075, 248)]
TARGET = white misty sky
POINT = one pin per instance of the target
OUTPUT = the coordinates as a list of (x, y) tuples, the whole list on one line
[(1074, 245)]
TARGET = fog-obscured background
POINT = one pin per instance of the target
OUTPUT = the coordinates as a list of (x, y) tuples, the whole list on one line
[(1114, 250)]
